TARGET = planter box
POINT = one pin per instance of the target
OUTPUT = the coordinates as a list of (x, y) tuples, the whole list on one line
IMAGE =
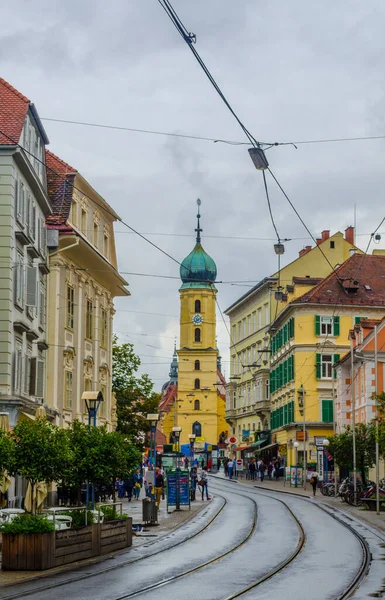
[(371, 503), (39, 551), (28, 552)]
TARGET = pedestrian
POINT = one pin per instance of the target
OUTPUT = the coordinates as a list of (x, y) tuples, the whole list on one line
[(194, 480), (253, 467), (270, 468), (277, 467), (230, 467), (185, 462), (226, 467), (262, 469), (204, 483), (129, 486), (164, 482), (314, 481), (147, 487), (138, 482), (159, 485), (120, 489)]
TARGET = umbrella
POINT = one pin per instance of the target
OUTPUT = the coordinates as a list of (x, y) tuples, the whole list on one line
[(40, 492), (5, 480)]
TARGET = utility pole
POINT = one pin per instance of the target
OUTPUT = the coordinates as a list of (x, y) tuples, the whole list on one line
[(353, 401), (376, 417), (304, 441)]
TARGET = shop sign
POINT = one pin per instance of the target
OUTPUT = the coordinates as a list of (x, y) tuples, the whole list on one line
[(209, 448), (282, 450), (214, 454), (300, 437), (319, 440), (232, 440), (313, 455), (320, 463)]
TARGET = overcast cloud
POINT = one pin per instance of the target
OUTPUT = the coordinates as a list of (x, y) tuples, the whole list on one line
[(293, 71)]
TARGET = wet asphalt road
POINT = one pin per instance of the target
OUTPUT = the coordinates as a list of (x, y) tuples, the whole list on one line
[(252, 533)]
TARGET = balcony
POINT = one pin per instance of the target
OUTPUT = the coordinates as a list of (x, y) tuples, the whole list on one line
[(261, 405), (231, 413)]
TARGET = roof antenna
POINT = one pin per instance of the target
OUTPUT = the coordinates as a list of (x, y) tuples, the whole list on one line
[(198, 229)]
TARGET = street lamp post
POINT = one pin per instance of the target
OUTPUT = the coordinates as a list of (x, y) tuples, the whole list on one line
[(296, 463), (153, 419), (92, 400), (192, 437), (325, 444), (177, 431)]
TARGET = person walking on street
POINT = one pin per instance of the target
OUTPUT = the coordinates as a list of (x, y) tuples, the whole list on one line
[(277, 466), (262, 469), (138, 482), (230, 467), (194, 480), (129, 485), (226, 467), (159, 484), (253, 469), (204, 483), (314, 481), (121, 490), (270, 468)]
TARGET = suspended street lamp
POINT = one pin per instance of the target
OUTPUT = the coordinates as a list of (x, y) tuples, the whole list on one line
[(259, 159)]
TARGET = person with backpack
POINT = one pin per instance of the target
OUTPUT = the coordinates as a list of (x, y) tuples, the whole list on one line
[(204, 483), (314, 481), (159, 485)]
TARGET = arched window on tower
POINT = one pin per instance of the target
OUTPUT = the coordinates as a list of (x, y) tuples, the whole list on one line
[(197, 306), (197, 365), (197, 384), (197, 405), (197, 334), (197, 429)]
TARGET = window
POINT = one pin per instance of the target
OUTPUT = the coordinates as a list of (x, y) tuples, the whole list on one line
[(103, 328), (70, 307), (327, 325), (197, 365), (197, 405), (83, 221), (239, 331), (233, 334), (326, 365), (332, 244), (197, 429), (249, 325), (87, 388), (197, 384), (32, 222), (244, 328), (357, 320), (267, 314), (18, 368), (254, 322), (68, 389), (96, 234), (42, 304), (259, 318), (19, 280), (253, 426), (327, 411), (89, 319), (20, 199), (197, 306), (197, 335), (74, 213), (106, 246)]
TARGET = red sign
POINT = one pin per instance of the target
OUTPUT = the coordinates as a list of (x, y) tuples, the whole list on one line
[(233, 440)]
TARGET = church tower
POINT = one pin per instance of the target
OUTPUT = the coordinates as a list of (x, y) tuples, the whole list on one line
[(200, 409)]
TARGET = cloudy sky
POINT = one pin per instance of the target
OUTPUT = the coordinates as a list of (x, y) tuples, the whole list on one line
[(293, 71)]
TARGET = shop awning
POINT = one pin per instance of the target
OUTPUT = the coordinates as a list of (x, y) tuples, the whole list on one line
[(269, 446), (256, 444), (240, 448)]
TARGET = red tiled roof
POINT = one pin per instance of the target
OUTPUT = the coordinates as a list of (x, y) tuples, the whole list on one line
[(168, 397), (13, 110), (360, 280), (60, 182), (160, 438)]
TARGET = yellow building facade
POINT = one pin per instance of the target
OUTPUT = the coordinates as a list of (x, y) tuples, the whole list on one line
[(199, 408), (82, 284), (248, 398), (307, 339)]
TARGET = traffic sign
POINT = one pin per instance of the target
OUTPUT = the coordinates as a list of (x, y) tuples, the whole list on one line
[(233, 440), (239, 463)]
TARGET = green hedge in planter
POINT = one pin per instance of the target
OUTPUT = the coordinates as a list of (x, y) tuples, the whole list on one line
[(78, 517), (27, 524), (111, 514)]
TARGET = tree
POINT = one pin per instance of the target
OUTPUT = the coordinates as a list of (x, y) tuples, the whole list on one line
[(119, 456), (6, 452), (341, 447), (134, 395), (40, 450)]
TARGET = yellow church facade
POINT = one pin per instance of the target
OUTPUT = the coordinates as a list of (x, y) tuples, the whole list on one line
[(197, 407)]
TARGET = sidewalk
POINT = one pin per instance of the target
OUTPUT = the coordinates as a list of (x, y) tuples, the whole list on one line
[(167, 524), (369, 517)]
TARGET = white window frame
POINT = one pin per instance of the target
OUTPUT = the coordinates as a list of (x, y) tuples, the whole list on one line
[(68, 389), (326, 366), (326, 326), (267, 314), (259, 318), (19, 280), (18, 368), (254, 322)]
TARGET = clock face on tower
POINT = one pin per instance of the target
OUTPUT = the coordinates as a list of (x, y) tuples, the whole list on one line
[(197, 319)]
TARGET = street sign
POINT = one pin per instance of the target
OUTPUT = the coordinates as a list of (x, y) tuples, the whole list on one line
[(150, 478), (233, 440), (239, 464)]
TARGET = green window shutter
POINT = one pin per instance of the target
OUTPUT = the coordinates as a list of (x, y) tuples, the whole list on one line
[(336, 358), (291, 412), (291, 328), (272, 378), (285, 379), (281, 416), (317, 324), (286, 332), (285, 421), (336, 326), (318, 366), (292, 368), (357, 320), (327, 411)]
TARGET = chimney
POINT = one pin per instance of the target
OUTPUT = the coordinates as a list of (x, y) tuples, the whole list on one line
[(308, 248), (318, 241), (304, 250), (349, 235), (325, 234)]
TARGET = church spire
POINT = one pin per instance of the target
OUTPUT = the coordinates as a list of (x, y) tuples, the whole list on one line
[(198, 229), (174, 367)]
